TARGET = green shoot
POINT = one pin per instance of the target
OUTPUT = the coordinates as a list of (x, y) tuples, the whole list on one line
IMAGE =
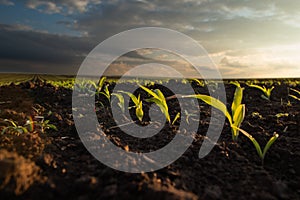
[(261, 153), (101, 84), (266, 91), (44, 125), (139, 107), (237, 114), (176, 118), (14, 128), (294, 97), (106, 93), (159, 99), (138, 104), (200, 83), (121, 103), (188, 115), (238, 111)]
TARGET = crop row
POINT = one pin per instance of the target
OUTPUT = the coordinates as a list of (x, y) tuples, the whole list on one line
[(235, 115)]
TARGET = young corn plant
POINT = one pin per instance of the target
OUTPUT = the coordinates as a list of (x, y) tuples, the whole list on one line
[(188, 116), (176, 118), (261, 153), (237, 114), (44, 125), (266, 91), (197, 81), (14, 128), (138, 104), (121, 102), (159, 99), (86, 86), (105, 93), (100, 84)]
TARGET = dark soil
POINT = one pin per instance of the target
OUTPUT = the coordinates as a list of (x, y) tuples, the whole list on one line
[(56, 165)]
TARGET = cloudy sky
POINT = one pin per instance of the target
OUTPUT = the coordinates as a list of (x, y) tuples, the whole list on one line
[(245, 38)]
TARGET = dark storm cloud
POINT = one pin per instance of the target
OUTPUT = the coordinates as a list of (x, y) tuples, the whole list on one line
[(22, 49), (40, 48)]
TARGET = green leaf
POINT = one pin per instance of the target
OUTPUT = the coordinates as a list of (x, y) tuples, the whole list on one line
[(176, 118), (160, 94), (107, 96), (237, 99), (101, 83), (162, 105), (236, 83), (198, 82), (269, 144), (12, 122), (298, 92), (237, 121), (159, 99), (149, 92), (52, 126), (132, 96), (139, 111), (106, 90), (269, 92), (121, 102), (293, 96), (254, 142), (264, 97), (258, 87), (239, 115), (213, 102), (92, 83)]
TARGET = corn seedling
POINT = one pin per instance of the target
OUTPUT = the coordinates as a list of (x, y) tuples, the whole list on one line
[(86, 86), (200, 83), (106, 93), (261, 153), (44, 125), (237, 114), (159, 99), (14, 128), (40, 123), (101, 84), (121, 103), (176, 118), (138, 104), (266, 91), (188, 115)]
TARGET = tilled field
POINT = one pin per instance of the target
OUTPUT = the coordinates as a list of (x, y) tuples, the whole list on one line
[(55, 164)]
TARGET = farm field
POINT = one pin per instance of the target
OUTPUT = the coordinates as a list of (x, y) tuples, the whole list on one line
[(42, 156)]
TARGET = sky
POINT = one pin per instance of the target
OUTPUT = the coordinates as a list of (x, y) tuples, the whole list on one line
[(244, 38)]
